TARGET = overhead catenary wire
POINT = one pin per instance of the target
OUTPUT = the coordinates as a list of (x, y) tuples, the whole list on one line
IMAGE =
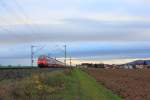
[(10, 10), (19, 18), (22, 11), (3, 28), (24, 18), (5, 25), (24, 14)]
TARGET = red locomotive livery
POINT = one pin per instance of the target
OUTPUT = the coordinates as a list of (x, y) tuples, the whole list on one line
[(48, 62)]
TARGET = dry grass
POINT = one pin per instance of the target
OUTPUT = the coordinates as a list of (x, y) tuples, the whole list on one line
[(39, 86)]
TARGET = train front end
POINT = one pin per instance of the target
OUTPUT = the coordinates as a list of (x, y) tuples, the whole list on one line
[(48, 62), (42, 62)]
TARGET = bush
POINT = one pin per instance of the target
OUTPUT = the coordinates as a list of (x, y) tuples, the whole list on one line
[(44, 86)]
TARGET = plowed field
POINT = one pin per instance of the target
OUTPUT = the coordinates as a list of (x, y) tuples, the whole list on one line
[(129, 84)]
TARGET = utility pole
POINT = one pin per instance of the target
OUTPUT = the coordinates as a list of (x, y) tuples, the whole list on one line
[(70, 62), (32, 55), (65, 61), (34, 52)]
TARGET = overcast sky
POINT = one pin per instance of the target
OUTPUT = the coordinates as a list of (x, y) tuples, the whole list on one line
[(92, 29)]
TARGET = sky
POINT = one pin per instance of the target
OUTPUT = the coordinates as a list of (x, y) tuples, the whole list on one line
[(111, 31)]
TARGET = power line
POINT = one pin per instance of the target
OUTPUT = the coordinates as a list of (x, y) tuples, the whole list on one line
[(4, 29), (23, 13), (19, 18), (21, 10), (9, 9), (25, 16)]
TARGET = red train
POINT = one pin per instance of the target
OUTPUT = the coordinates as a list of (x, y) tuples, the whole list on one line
[(48, 62)]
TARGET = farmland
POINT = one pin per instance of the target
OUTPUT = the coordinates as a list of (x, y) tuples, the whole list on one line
[(51, 84), (129, 84)]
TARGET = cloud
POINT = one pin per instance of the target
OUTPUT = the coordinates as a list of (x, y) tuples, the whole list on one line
[(77, 30), (76, 21), (67, 37), (59, 17), (137, 1)]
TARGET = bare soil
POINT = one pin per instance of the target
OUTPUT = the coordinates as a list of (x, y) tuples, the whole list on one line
[(129, 84)]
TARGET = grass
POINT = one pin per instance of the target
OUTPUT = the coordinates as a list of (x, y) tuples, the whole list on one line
[(81, 86), (67, 85)]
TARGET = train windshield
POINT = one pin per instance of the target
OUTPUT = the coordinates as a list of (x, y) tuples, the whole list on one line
[(41, 57)]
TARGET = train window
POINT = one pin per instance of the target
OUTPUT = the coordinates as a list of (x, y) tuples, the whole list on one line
[(41, 57)]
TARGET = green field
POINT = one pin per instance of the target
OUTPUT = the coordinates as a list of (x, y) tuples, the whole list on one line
[(60, 85)]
